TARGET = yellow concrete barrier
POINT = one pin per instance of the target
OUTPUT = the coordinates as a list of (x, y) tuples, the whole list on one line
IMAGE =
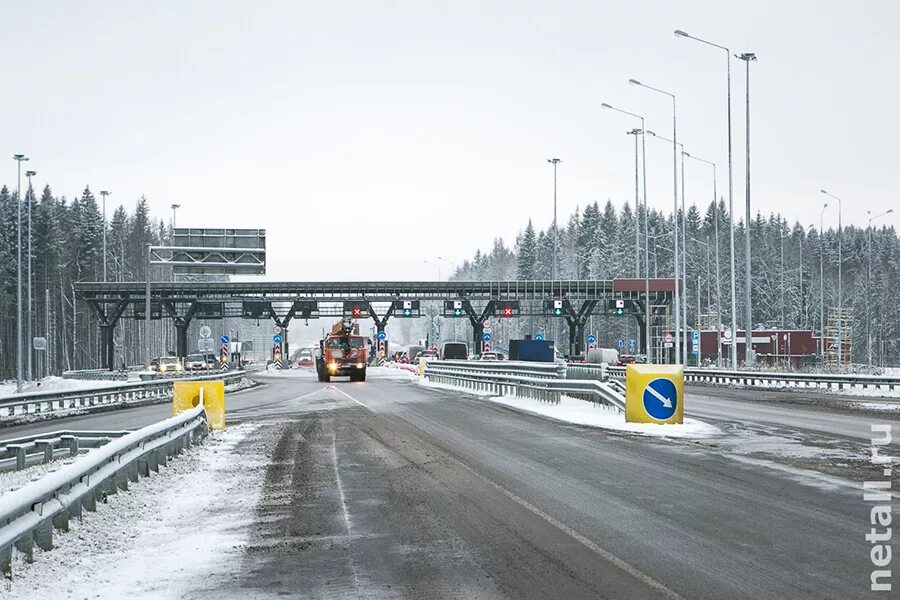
[(188, 394), (654, 393)]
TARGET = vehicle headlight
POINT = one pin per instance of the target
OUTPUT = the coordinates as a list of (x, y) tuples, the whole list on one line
[(332, 366), (162, 368), (359, 365)]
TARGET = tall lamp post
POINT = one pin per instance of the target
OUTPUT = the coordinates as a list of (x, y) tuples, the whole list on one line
[(29, 319), (684, 291), (19, 347), (840, 332), (822, 282), (869, 283), (104, 194), (174, 208), (748, 57), (647, 323), (675, 215), (555, 162), (637, 207), (680, 33), (718, 285)]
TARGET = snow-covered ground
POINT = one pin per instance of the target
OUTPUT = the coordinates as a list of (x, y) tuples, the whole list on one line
[(581, 412), (170, 534), (371, 372), (13, 480), (56, 384)]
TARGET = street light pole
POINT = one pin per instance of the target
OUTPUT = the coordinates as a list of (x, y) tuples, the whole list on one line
[(748, 57), (718, 285), (19, 347), (675, 214), (869, 284), (555, 162), (637, 209), (174, 208), (822, 283), (647, 315), (840, 334), (680, 33), (104, 194), (29, 318)]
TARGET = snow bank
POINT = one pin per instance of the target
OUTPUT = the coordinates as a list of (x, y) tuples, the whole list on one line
[(56, 384), (169, 534), (581, 412)]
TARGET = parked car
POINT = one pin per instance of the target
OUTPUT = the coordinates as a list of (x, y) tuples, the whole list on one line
[(628, 359)]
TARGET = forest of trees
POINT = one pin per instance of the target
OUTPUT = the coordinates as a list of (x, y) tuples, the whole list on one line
[(595, 243), (599, 243), (67, 246)]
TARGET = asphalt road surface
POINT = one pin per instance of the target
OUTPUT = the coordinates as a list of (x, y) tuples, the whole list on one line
[(386, 489)]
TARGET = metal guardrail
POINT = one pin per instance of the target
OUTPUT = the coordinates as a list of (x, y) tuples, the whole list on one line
[(796, 380), (18, 453), (508, 367), (53, 401), (517, 381), (29, 515)]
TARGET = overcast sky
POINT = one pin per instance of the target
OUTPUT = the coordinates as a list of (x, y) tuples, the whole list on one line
[(366, 140)]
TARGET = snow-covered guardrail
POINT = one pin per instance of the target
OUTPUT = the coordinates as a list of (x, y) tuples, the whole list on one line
[(29, 515), (17, 453), (33, 403), (762, 378), (520, 380)]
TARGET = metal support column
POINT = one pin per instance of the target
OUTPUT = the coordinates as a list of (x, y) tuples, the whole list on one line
[(181, 322), (380, 325), (577, 321), (477, 320), (107, 320)]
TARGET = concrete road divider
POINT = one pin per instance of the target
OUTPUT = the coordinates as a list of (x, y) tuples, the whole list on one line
[(654, 394), (211, 394)]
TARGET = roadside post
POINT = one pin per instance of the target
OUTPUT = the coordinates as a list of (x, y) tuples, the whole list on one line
[(654, 394), (188, 394)]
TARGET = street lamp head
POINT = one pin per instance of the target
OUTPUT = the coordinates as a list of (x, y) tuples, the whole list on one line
[(634, 82), (681, 33), (889, 211), (651, 133), (174, 206), (605, 105), (748, 56), (554, 160), (30, 173), (105, 193), (20, 157)]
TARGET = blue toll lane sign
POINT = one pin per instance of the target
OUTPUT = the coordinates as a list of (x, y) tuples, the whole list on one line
[(631, 345), (661, 399), (592, 339), (276, 339), (381, 335), (539, 336), (620, 343), (486, 336)]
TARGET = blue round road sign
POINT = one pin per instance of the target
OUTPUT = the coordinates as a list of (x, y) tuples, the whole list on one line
[(539, 336), (276, 339), (591, 339), (661, 399), (382, 335), (224, 339), (486, 336)]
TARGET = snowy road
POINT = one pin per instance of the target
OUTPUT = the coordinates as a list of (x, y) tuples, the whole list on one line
[(386, 489)]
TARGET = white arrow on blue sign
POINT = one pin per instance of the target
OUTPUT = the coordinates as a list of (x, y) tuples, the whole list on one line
[(591, 339), (486, 336), (276, 339), (660, 399), (539, 336), (224, 339), (381, 335), (620, 343)]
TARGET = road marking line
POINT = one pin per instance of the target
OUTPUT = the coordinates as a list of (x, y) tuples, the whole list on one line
[(346, 513), (337, 389), (610, 557)]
